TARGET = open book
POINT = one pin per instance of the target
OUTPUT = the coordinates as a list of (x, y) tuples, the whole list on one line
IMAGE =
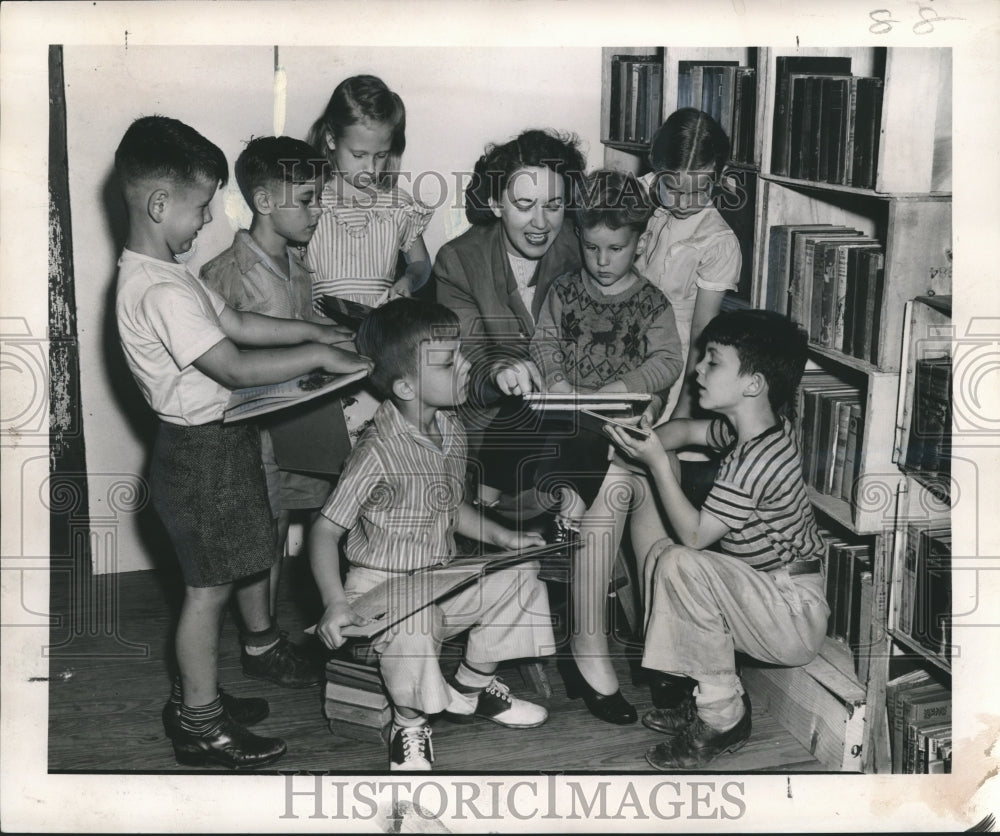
[(404, 594), (259, 400)]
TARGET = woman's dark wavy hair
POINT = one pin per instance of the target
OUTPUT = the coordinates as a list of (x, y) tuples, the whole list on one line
[(535, 149)]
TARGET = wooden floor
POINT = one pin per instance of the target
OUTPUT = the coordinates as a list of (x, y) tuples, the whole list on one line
[(110, 675)]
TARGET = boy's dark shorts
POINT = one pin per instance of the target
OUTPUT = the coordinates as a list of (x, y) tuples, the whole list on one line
[(208, 487)]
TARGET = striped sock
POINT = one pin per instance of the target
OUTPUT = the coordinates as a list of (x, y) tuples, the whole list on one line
[(201, 720), (176, 694)]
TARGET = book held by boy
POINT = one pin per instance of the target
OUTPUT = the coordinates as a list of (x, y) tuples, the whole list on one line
[(260, 400)]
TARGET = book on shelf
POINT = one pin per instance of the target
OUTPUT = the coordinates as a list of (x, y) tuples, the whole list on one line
[(928, 448), (867, 119), (779, 262), (827, 440), (727, 92), (858, 559), (921, 706), (935, 745), (635, 100), (931, 590), (834, 576), (866, 604), (785, 66), (810, 420), (868, 309), (893, 691), (833, 297), (847, 285), (802, 270), (260, 400), (852, 453)]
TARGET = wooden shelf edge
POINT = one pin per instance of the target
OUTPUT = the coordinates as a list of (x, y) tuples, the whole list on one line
[(917, 649), (819, 185)]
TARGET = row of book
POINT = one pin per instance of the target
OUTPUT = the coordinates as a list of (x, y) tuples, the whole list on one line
[(850, 592), (831, 434), (919, 711), (356, 704), (728, 93), (827, 122), (922, 603), (928, 449), (830, 279), (636, 98)]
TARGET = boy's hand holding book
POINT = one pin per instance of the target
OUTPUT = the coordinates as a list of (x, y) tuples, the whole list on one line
[(342, 361), (638, 442), (336, 617)]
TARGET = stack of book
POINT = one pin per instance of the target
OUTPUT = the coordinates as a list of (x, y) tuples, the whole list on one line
[(826, 121), (830, 280), (919, 711), (923, 607), (636, 98), (831, 431), (928, 450), (355, 702), (728, 93), (851, 595)]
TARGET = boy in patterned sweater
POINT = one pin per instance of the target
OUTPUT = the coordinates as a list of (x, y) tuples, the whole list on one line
[(746, 575), (604, 329)]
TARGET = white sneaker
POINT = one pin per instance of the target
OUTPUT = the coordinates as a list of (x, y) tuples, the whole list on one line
[(496, 704), (410, 749)]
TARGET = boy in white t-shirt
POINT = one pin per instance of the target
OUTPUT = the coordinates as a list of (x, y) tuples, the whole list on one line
[(187, 349)]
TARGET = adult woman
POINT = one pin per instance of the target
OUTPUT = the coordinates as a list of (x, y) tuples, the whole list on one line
[(495, 276)]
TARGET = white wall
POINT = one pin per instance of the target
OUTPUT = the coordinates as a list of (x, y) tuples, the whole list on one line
[(457, 100)]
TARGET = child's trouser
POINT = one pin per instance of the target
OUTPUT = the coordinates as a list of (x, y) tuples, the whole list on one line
[(702, 607), (507, 611)]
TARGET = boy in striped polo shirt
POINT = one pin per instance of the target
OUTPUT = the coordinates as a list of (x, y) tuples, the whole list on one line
[(400, 500), (759, 590)]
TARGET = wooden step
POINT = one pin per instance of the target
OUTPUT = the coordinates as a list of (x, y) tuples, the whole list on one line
[(822, 704)]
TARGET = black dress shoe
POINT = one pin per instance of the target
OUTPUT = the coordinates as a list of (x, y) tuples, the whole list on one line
[(228, 744), (243, 711), (285, 664), (611, 708), (698, 744)]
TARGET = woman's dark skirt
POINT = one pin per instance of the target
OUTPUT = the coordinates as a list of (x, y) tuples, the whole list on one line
[(208, 487)]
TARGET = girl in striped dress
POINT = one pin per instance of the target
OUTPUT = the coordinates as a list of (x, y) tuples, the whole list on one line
[(367, 219)]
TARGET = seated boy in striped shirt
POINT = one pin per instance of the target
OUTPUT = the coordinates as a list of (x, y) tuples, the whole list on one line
[(759, 590), (400, 500)]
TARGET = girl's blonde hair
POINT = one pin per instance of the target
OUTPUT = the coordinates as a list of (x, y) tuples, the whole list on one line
[(363, 98)]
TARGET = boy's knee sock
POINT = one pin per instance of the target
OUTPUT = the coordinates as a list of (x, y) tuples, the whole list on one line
[(402, 721), (261, 641), (201, 719), (720, 704)]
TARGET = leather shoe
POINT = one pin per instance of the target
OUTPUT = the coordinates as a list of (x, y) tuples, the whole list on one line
[(671, 720), (243, 711), (611, 708), (228, 744), (284, 664), (698, 744)]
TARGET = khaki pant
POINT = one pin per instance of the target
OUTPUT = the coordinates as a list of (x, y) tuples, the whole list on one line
[(506, 613), (702, 607)]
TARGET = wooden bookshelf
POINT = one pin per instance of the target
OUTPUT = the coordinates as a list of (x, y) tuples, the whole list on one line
[(907, 210)]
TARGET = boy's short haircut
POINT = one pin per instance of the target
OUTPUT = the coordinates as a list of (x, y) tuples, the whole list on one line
[(768, 343), (277, 159), (161, 148), (392, 335), (613, 199)]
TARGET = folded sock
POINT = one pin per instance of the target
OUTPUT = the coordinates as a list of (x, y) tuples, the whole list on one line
[(256, 643), (399, 721), (201, 719), (719, 707), (468, 680)]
